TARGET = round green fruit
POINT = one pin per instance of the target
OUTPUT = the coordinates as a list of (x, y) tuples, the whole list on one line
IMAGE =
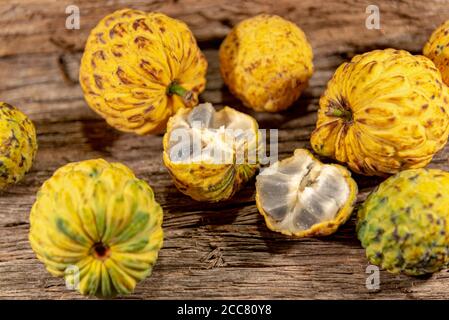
[(404, 224), (18, 145)]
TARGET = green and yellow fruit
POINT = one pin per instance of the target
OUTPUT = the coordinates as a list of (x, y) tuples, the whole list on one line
[(383, 112), (266, 61), (99, 219), (404, 224), (437, 50), (18, 145), (211, 155), (139, 68), (302, 197)]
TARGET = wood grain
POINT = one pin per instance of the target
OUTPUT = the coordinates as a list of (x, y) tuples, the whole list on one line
[(211, 250)]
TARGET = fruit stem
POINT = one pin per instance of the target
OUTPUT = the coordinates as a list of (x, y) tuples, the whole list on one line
[(340, 113), (339, 109), (176, 88)]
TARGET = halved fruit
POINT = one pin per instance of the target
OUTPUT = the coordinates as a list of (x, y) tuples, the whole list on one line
[(303, 197), (211, 154)]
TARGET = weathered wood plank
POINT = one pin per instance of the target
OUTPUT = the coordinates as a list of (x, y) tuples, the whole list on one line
[(211, 250), (29, 26)]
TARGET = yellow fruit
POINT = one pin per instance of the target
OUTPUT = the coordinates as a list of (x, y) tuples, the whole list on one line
[(437, 50), (96, 222), (203, 154), (266, 61), (302, 197), (383, 112), (18, 145), (139, 68)]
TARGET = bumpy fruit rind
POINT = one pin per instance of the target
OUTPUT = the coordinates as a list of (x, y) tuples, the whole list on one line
[(437, 50), (205, 179), (18, 145), (97, 218), (403, 225), (383, 112), (298, 185), (139, 68), (266, 61)]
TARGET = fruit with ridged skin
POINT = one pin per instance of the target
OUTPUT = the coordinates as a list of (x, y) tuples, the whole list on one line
[(18, 145), (437, 50), (300, 196), (266, 61), (404, 223), (204, 152), (97, 218), (139, 68), (383, 112)]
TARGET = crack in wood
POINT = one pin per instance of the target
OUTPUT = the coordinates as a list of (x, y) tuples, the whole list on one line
[(62, 66), (214, 259), (15, 224)]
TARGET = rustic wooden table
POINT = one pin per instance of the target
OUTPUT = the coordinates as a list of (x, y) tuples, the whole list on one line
[(218, 250)]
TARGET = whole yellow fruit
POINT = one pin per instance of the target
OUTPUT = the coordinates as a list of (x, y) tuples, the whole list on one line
[(97, 225), (139, 68), (383, 112), (18, 144), (266, 61), (437, 50)]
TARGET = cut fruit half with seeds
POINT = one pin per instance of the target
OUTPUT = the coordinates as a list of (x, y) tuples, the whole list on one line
[(211, 154), (303, 197)]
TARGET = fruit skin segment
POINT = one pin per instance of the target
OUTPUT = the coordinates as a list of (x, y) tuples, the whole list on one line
[(383, 112), (323, 228), (139, 68), (266, 61), (404, 223), (437, 50), (18, 145), (99, 218), (206, 181)]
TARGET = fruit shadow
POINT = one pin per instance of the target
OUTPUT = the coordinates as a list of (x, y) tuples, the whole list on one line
[(275, 243), (299, 108), (346, 236), (404, 282), (210, 213), (99, 135), (278, 243)]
